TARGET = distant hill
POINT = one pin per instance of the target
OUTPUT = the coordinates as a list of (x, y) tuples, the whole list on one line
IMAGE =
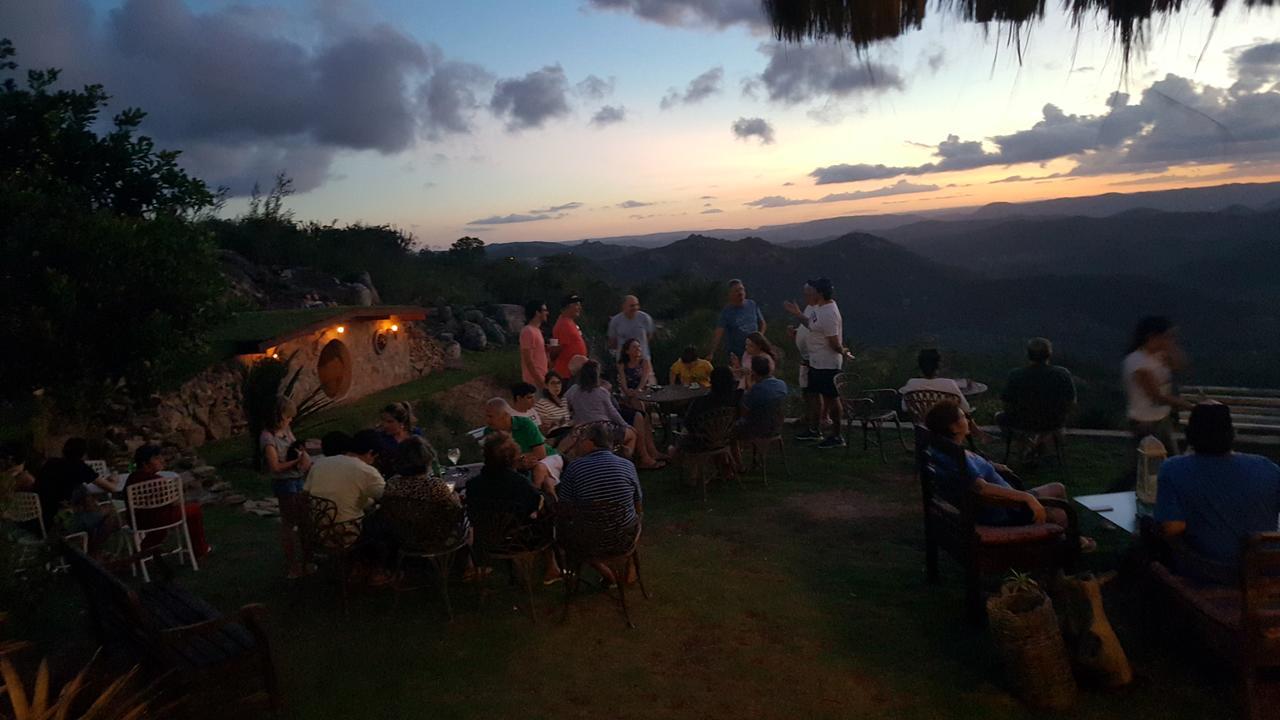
[(1220, 253), (1252, 195), (589, 249)]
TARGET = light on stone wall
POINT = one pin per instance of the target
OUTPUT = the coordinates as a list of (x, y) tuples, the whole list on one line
[(342, 329), (395, 327)]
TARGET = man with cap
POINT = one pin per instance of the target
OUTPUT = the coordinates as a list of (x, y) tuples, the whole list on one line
[(567, 334), (824, 345)]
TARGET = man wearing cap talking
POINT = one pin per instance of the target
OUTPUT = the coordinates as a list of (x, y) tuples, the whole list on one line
[(567, 335), (824, 345)]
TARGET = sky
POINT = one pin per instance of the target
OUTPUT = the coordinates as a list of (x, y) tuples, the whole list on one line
[(564, 120)]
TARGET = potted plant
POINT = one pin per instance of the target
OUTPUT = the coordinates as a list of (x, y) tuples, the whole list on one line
[(1025, 629)]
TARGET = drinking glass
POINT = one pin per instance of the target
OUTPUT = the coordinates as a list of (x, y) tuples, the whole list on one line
[(454, 454)]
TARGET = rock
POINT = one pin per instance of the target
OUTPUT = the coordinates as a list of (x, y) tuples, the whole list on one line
[(195, 436), (219, 486), (233, 499), (204, 472), (219, 424), (493, 333), (445, 338), (473, 315), (473, 336), (367, 280), (444, 314), (452, 351), (512, 317), (357, 294)]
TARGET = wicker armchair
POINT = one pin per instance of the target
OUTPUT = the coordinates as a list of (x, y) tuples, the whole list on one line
[(599, 532), (985, 549), (425, 530), (502, 535), (324, 540), (919, 402), (709, 439)]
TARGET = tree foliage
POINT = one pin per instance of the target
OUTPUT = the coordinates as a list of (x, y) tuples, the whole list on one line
[(105, 279)]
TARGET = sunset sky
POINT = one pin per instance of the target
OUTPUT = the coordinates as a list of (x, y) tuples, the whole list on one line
[(588, 118)]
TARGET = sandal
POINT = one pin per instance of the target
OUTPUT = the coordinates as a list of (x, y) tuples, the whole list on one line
[(656, 466), (1088, 544)]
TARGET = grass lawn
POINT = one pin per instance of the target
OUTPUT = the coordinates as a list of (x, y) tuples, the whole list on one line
[(803, 599)]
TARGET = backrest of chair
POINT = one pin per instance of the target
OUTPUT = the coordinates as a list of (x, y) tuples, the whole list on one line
[(25, 507), (1260, 576), (885, 399), (420, 524), (154, 493), (920, 402), (99, 467), (713, 429), (497, 530), (318, 527), (929, 449), (597, 529), (113, 607)]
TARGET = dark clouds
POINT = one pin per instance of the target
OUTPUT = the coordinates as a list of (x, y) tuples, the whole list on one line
[(532, 100), (804, 73), (244, 99), (1175, 121), (594, 88), (631, 204), (746, 128), (698, 89), (608, 115), (691, 13), (511, 219), (711, 211), (557, 208), (902, 187)]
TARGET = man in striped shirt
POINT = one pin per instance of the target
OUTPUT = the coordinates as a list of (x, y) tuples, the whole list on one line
[(600, 476)]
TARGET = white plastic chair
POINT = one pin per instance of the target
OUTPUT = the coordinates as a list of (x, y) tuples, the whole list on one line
[(26, 507), (159, 493)]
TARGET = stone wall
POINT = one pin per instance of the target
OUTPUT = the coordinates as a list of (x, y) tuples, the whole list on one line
[(210, 406)]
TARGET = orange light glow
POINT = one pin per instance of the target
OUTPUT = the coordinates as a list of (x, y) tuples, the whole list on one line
[(342, 329), (275, 355), (395, 328)]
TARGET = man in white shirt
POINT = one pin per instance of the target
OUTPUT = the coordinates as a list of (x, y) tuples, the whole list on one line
[(824, 347), (631, 324), (350, 480)]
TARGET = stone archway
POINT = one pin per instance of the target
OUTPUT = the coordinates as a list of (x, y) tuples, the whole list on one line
[(334, 369)]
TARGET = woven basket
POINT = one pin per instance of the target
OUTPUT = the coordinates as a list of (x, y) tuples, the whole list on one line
[(1025, 629)]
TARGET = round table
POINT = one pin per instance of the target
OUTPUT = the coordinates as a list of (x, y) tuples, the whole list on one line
[(971, 387), (670, 394)]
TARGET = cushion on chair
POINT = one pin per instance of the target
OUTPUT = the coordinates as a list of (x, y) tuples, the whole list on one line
[(1219, 603), (1014, 534)]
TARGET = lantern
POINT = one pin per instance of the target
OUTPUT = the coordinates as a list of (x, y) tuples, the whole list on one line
[(1151, 455)]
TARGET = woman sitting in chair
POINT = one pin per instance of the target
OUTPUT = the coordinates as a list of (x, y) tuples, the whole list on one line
[(987, 479), (149, 461), (500, 488)]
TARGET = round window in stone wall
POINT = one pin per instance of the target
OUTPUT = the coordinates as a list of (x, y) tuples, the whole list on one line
[(334, 369)]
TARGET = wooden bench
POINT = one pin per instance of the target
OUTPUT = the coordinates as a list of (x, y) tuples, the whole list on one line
[(1239, 623), (216, 662), (1254, 411)]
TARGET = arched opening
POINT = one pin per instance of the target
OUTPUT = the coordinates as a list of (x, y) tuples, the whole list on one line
[(334, 369)]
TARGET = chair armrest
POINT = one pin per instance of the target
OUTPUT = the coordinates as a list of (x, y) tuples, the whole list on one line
[(1187, 561)]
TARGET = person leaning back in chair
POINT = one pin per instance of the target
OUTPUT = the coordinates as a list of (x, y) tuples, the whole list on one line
[(1214, 498), (948, 421)]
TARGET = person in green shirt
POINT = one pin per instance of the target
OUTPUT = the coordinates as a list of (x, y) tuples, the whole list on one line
[(540, 460)]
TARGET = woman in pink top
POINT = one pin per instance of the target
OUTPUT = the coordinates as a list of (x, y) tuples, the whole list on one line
[(533, 347)]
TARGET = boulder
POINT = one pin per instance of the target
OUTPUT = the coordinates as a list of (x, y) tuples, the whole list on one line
[(493, 333), (452, 353), (511, 317), (473, 315), (473, 336)]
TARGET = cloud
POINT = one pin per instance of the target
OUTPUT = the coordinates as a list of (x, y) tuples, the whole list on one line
[(698, 89), (630, 204), (511, 219), (608, 115), (557, 208), (803, 73), (717, 14), (707, 197), (241, 94), (532, 100), (711, 211), (1019, 178), (902, 187), (593, 87), (1174, 122), (746, 128), (450, 97)]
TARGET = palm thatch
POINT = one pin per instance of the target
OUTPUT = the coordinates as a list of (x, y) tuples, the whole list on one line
[(863, 22)]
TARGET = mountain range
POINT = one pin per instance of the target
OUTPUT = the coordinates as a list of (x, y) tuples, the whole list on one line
[(986, 281)]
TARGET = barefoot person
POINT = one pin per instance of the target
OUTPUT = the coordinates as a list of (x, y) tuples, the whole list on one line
[(287, 462)]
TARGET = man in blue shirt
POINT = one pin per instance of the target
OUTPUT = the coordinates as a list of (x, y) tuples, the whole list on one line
[(761, 402), (738, 319), (1215, 498)]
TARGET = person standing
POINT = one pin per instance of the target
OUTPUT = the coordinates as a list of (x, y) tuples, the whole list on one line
[(1148, 387), (824, 345), (533, 347), (631, 324), (739, 318), (568, 335)]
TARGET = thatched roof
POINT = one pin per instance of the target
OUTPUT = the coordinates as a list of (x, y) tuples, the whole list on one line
[(863, 22)]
